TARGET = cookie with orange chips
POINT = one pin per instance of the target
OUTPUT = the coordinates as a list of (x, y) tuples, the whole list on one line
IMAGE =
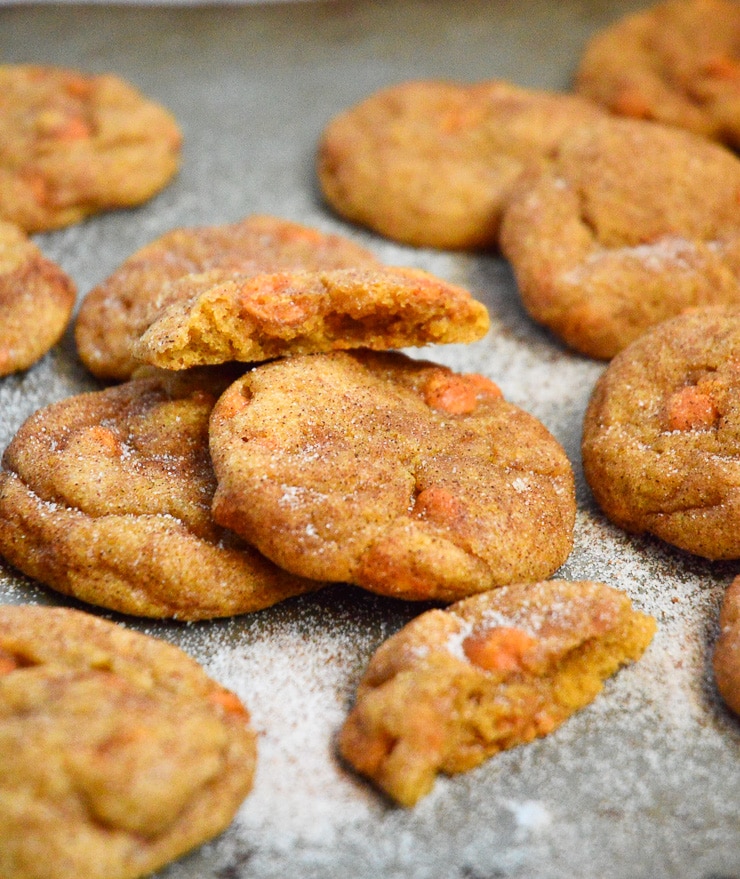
[(661, 435), (75, 144), (430, 163), (394, 474), (116, 312), (601, 255), (118, 753), (217, 319), (490, 672), (677, 62), (36, 301), (726, 659), (106, 496)]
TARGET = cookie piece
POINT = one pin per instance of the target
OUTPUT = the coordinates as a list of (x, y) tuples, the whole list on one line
[(455, 686), (601, 255), (661, 436), (274, 315), (36, 301), (114, 314), (726, 659), (677, 62), (117, 752), (430, 163), (394, 474), (106, 497), (75, 144)]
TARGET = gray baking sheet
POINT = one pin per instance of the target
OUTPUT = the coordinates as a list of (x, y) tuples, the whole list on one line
[(645, 782)]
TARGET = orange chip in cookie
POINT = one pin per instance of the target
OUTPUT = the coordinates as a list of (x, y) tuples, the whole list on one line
[(106, 497), (430, 163), (601, 254), (117, 754), (677, 62), (490, 672), (75, 144), (118, 311), (338, 467), (36, 301)]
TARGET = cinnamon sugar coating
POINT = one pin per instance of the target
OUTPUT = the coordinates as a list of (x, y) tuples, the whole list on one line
[(75, 144), (430, 163), (726, 659), (36, 301), (394, 474), (106, 497), (661, 435), (493, 671), (118, 753), (225, 318), (602, 253), (677, 62), (115, 313)]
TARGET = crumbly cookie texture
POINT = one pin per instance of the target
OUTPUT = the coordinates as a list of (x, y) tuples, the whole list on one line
[(496, 670), (661, 435), (430, 163), (115, 313), (601, 255), (75, 144), (36, 301), (117, 752), (394, 474), (677, 62), (217, 319), (726, 659), (106, 497)]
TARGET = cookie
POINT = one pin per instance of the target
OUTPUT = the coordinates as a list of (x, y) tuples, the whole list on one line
[(490, 672), (75, 144), (215, 320), (116, 312), (726, 659), (36, 301), (394, 474), (661, 447), (430, 163), (601, 255), (106, 496), (677, 62), (118, 753)]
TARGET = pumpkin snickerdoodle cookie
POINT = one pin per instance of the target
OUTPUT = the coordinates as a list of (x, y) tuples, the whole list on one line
[(430, 163), (726, 659), (116, 312), (490, 672), (106, 496), (661, 436), (633, 223), (677, 62), (118, 753), (75, 144), (36, 301), (394, 474)]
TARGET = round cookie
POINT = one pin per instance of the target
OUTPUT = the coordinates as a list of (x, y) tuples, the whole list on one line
[(430, 163), (394, 474), (726, 659), (75, 144), (118, 753), (115, 313), (106, 496), (36, 301), (493, 671), (217, 319), (601, 255), (677, 62), (661, 436)]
